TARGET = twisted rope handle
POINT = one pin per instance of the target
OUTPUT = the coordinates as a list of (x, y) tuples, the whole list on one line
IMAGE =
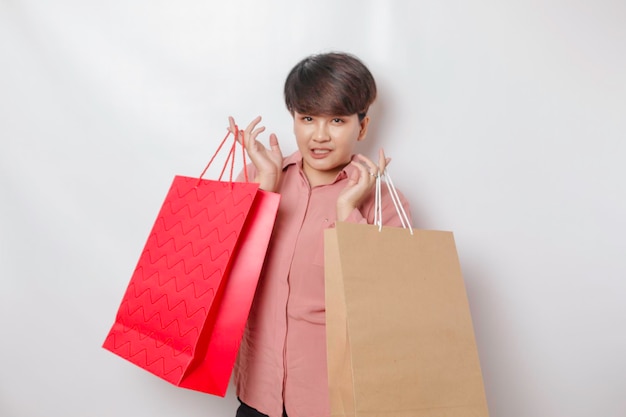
[(230, 158), (395, 198)]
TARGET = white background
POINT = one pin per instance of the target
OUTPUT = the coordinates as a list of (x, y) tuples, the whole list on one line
[(505, 121)]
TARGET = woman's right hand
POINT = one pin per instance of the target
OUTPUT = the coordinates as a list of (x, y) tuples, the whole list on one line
[(268, 162)]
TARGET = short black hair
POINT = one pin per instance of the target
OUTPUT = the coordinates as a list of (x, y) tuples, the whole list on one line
[(334, 83)]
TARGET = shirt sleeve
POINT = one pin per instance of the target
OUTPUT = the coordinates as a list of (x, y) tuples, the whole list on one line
[(251, 174)]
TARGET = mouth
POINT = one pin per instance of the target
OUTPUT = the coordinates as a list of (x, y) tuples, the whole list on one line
[(320, 153)]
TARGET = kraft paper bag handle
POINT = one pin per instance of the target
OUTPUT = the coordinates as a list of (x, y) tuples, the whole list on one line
[(230, 158), (395, 198)]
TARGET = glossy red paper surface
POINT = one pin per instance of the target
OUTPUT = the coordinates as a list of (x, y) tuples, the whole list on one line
[(179, 318)]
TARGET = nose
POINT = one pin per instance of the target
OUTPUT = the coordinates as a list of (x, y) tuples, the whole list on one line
[(321, 133)]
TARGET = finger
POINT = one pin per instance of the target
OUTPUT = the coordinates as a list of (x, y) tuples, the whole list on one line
[(253, 124), (372, 167), (250, 134), (382, 160), (274, 142), (353, 178), (256, 132), (364, 173), (232, 125), (250, 142)]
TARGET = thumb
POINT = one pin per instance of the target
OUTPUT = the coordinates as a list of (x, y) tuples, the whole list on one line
[(354, 177), (274, 144)]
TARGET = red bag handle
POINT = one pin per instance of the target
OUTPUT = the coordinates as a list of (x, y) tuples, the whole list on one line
[(230, 158)]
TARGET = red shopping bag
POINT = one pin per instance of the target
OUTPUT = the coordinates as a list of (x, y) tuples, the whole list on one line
[(184, 311)]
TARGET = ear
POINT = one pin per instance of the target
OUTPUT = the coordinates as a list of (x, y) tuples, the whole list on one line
[(364, 123)]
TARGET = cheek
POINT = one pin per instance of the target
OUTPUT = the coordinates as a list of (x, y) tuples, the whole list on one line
[(348, 138), (301, 138), (299, 132)]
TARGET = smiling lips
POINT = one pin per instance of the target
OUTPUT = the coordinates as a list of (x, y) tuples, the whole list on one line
[(319, 153)]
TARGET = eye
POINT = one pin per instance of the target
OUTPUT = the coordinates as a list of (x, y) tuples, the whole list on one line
[(307, 118), (337, 120)]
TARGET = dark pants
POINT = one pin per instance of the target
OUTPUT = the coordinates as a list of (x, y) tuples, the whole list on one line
[(245, 410)]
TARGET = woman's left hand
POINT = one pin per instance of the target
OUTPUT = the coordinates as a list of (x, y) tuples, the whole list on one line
[(360, 183)]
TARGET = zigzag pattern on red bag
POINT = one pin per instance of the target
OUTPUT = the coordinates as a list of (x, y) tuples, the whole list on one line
[(178, 275)]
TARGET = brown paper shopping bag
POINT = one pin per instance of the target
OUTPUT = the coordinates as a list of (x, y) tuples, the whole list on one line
[(399, 331)]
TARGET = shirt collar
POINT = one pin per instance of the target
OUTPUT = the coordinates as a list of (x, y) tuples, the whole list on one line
[(296, 159)]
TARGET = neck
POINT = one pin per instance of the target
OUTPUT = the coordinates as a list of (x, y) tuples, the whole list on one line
[(317, 178)]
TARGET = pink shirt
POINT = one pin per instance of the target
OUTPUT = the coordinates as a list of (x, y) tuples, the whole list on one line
[(282, 359)]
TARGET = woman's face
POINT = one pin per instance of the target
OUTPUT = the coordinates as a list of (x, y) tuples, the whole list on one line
[(327, 143)]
